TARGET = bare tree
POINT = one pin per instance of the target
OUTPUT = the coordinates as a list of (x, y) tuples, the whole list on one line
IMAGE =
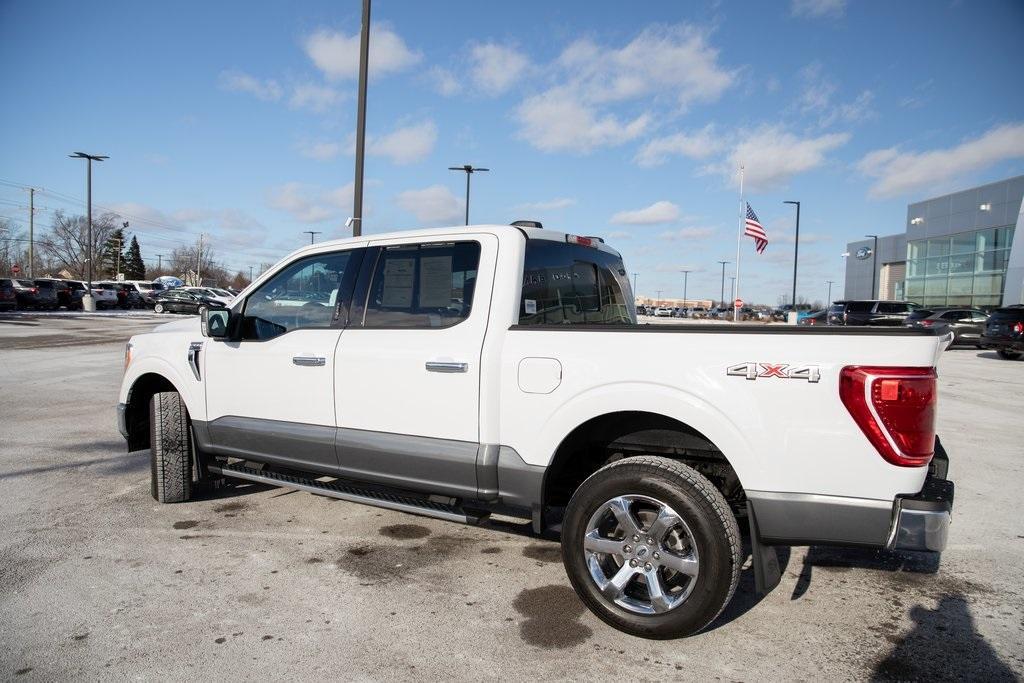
[(67, 244), (186, 261)]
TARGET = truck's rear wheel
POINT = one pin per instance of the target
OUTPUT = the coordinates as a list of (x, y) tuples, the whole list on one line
[(651, 547), (171, 448)]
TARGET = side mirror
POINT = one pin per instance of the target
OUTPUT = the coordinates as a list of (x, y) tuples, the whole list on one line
[(215, 322)]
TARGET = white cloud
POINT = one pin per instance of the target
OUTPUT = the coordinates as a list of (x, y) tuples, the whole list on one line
[(318, 98), (817, 99), (308, 203), (687, 234), (444, 81), (773, 155), (236, 81), (898, 172), (405, 145), (496, 68), (658, 212), (432, 205), (321, 150), (551, 205), (666, 66), (336, 54), (620, 235), (699, 145), (557, 120), (817, 8)]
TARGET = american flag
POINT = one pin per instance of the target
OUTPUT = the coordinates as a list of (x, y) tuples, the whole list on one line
[(756, 230)]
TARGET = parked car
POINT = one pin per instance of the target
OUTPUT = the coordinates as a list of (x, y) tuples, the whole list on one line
[(183, 301), (814, 318), (870, 312), (27, 294), (76, 290), (1004, 332), (697, 312), (104, 297), (414, 380), (210, 293), (966, 324), (55, 293), (8, 295), (146, 290), (663, 312)]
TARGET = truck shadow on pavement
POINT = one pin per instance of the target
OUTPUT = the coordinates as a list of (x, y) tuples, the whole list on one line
[(836, 558)]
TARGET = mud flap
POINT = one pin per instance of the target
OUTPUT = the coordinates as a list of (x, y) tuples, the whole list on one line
[(765, 560)]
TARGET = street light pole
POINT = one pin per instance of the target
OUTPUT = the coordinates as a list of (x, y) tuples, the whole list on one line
[(796, 248), (312, 234), (87, 302), (364, 59), (469, 170), (634, 285), (721, 295), (686, 281), (828, 302), (874, 264)]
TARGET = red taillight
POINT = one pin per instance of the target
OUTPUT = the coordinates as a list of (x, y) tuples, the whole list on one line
[(582, 241), (927, 323), (1018, 327), (895, 408)]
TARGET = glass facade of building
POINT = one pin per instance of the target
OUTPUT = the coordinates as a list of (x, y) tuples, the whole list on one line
[(964, 269)]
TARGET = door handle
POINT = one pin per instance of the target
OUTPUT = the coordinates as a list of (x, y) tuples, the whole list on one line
[(446, 366), (310, 361)]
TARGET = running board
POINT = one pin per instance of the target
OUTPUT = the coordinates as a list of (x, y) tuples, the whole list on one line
[(352, 493)]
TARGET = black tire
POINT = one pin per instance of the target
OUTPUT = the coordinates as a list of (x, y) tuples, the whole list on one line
[(1008, 355), (159, 308), (171, 448), (712, 526)]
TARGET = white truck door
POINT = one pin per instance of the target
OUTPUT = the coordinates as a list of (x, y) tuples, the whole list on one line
[(407, 369), (270, 394)]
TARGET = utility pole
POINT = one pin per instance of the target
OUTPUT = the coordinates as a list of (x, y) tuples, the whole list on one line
[(364, 60), (796, 248), (160, 262), (469, 169), (199, 262), (250, 274), (634, 285), (312, 234), (87, 303), (31, 231), (732, 286), (659, 298), (828, 301), (721, 294), (686, 281), (874, 264)]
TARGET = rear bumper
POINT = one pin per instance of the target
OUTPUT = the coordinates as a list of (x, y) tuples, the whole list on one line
[(1002, 342), (922, 522)]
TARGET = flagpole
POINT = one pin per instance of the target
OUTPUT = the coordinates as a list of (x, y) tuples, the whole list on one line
[(739, 237)]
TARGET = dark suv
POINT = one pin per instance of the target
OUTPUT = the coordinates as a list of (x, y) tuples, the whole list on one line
[(1004, 332), (8, 297), (870, 312), (966, 324), (55, 292)]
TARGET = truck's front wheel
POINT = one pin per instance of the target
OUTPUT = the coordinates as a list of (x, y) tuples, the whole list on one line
[(651, 547), (171, 448)]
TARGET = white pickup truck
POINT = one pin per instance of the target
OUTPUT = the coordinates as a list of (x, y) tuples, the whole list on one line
[(461, 372)]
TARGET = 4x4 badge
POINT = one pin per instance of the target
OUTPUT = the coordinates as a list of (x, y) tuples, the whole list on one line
[(811, 373)]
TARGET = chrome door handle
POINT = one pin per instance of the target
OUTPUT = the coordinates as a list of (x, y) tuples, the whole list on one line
[(310, 361), (446, 366)]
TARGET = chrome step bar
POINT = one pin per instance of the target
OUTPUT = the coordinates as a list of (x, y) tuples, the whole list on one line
[(353, 493)]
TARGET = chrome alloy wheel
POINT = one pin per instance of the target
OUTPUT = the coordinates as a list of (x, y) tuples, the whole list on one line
[(641, 554)]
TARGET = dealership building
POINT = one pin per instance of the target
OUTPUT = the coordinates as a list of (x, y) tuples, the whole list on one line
[(956, 250)]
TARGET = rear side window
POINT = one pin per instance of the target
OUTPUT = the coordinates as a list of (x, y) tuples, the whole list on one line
[(423, 286), (860, 306), (570, 284)]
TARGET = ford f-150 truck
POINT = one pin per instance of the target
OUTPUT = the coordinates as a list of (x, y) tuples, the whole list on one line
[(461, 372)]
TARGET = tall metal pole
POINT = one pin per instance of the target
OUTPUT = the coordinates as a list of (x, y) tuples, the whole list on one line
[(796, 248), (250, 274), (686, 281), (732, 286), (312, 234), (160, 262), (469, 170), (634, 285), (721, 295), (828, 302), (874, 264), (31, 231), (468, 174), (87, 302), (364, 58), (199, 262)]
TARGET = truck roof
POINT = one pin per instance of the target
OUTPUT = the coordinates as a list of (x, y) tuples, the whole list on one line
[(528, 232)]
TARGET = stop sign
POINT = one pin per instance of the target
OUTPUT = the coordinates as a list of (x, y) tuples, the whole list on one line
[(738, 303), (15, 269)]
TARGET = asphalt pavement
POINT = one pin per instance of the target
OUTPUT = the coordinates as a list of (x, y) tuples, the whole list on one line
[(99, 581)]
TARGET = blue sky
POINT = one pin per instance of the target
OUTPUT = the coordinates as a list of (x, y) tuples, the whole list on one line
[(626, 120)]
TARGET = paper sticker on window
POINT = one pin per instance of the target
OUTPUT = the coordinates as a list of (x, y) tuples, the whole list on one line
[(531, 306), (398, 274), (435, 281)]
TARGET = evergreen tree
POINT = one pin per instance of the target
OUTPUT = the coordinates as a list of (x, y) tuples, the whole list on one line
[(112, 255), (134, 266)]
